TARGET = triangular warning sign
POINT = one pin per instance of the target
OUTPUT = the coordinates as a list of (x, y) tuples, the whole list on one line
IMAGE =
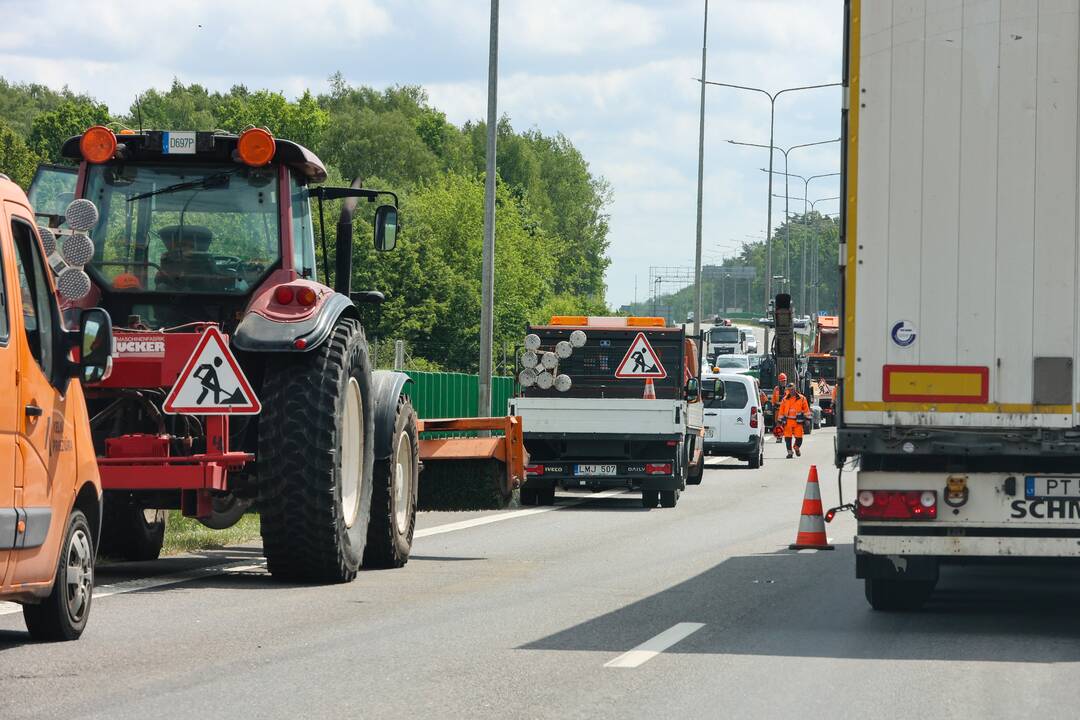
[(211, 382), (641, 361)]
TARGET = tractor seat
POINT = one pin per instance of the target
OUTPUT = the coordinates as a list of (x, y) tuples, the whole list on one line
[(188, 237), (187, 263)]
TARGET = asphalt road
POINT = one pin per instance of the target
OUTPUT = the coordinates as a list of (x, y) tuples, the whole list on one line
[(533, 616)]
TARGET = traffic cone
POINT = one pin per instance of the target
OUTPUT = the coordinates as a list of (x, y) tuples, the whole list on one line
[(811, 521), (650, 390)]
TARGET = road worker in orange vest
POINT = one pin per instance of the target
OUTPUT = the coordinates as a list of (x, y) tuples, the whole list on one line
[(777, 398), (793, 412)]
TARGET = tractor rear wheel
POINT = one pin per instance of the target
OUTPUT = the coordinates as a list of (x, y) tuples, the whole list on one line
[(130, 532), (394, 490), (316, 452)]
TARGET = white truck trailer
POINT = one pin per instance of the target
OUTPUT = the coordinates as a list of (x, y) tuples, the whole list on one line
[(960, 390)]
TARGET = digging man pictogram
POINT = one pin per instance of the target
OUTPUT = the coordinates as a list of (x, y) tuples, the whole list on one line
[(640, 366)]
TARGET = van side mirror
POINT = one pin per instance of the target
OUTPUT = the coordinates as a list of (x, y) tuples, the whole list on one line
[(693, 389), (95, 345), (386, 227)]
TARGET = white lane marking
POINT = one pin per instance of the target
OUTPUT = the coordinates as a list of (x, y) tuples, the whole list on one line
[(654, 646), (717, 460), (475, 522), (127, 586)]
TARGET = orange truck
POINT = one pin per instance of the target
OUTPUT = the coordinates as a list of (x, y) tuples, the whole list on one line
[(50, 492), (821, 365)]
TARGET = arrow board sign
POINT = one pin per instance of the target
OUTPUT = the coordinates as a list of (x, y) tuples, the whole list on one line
[(641, 362), (212, 382)]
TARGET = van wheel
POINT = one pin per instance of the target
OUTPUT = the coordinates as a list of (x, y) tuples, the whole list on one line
[(650, 498), (669, 498), (63, 614), (897, 595), (756, 460)]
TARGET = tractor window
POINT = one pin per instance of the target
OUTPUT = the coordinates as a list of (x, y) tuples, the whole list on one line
[(184, 228), (302, 230), (39, 319)]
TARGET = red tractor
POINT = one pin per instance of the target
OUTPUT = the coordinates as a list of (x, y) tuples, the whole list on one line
[(241, 379)]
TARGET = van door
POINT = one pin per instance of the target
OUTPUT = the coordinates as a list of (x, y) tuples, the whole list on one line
[(44, 428), (8, 409), (735, 412)]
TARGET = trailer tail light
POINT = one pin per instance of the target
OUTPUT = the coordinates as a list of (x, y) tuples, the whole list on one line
[(534, 469), (98, 144), (657, 468), (306, 296), (896, 505), (753, 417), (256, 147), (283, 295)]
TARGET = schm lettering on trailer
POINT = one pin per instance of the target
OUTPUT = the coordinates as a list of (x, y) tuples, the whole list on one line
[(1046, 509)]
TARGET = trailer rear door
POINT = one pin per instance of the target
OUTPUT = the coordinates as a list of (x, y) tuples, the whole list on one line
[(960, 238)]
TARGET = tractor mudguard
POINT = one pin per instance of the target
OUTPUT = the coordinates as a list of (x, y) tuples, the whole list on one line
[(257, 333), (386, 386)]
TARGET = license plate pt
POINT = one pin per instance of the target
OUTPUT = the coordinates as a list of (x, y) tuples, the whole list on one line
[(594, 470), (1051, 487)]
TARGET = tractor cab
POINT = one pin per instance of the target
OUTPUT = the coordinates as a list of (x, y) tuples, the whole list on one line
[(210, 217)]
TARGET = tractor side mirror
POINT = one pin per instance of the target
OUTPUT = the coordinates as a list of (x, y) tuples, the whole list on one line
[(386, 226), (95, 345)]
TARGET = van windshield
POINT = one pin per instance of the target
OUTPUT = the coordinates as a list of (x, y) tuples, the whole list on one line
[(188, 228)]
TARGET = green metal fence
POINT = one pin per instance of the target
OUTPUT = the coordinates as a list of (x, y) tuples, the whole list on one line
[(453, 395)]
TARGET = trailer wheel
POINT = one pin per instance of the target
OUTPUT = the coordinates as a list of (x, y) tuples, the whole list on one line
[(63, 614), (650, 498), (315, 459), (669, 498), (395, 482), (130, 532), (890, 595)]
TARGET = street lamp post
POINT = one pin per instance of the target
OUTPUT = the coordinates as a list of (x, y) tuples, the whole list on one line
[(806, 190), (786, 174), (772, 126), (700, 178), (487, 276), (814, 279)]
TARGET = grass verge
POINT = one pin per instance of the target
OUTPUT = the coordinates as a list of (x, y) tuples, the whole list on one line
[(184, 534)]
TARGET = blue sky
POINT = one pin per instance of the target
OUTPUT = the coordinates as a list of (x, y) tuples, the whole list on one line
[(615, 76)]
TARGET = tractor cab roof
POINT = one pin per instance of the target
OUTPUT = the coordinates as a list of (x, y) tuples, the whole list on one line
[(209, 146)]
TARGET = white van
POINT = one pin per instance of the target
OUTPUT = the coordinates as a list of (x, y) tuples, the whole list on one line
[(733, 425)]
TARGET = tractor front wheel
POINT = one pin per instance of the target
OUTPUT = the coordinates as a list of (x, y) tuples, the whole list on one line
[(316, 453), (393, 504)]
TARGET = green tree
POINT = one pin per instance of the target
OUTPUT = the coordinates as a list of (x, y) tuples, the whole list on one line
[(16, 160), (49, 130)]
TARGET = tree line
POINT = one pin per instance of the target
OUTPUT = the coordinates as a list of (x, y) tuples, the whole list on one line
[(551, 212)]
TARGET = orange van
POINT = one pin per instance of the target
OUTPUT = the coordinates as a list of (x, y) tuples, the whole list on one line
[(50, 493)]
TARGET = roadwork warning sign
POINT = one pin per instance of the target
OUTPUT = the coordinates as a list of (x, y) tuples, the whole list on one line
[(641, 361), (211, 382)]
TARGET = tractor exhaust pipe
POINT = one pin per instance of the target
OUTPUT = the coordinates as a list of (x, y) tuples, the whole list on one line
[(343, 264)]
